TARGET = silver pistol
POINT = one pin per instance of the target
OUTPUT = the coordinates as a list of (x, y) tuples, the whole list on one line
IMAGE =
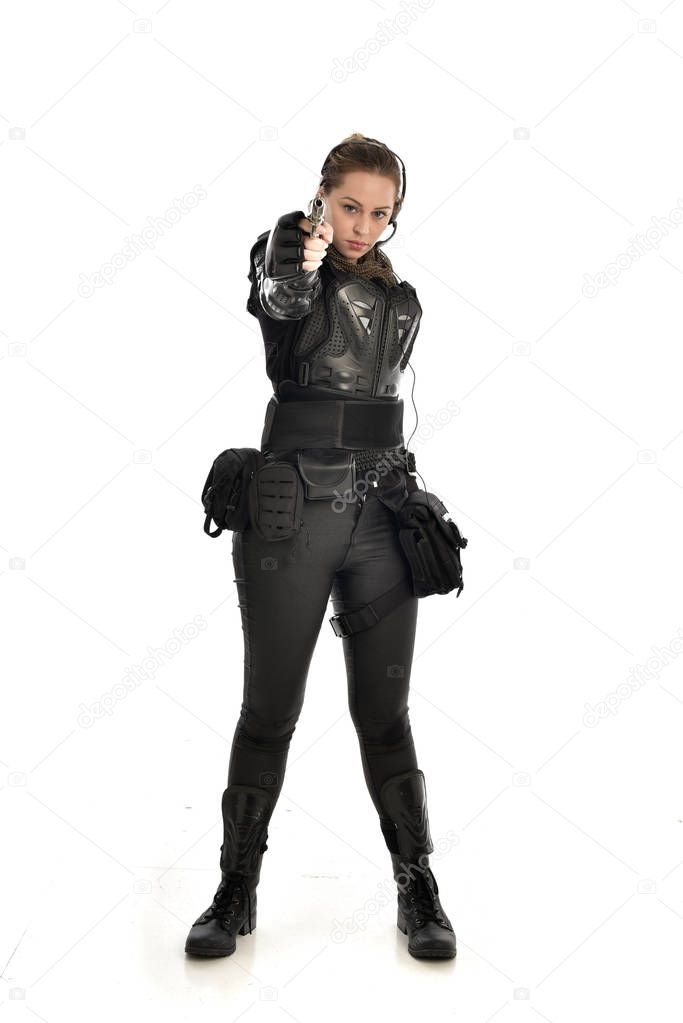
[(316, 213)]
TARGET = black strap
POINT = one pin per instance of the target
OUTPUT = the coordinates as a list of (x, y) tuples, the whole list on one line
[(207, 523), (346, 624), (348, 423)]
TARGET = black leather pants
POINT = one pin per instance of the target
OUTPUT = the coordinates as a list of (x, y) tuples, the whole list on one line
[(284, 587)]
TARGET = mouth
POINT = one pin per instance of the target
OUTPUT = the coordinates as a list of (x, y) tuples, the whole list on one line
[(357, 245)]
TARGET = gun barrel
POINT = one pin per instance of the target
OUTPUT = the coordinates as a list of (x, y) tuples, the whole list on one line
[(316, 214)]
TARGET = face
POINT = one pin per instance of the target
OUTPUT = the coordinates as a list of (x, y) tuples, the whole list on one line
[(359, 211)]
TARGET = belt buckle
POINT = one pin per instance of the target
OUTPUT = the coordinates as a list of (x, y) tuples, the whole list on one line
[(338, 624)]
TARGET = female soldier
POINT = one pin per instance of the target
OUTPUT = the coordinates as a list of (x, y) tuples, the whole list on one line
[(338, 328)]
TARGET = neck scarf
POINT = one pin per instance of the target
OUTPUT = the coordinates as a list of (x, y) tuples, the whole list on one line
[(371, 264)]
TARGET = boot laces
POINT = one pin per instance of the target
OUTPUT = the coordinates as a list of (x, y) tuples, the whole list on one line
[(229, 900), (422, 895)]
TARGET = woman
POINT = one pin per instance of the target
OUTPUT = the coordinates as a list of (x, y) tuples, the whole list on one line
[(338, 328)]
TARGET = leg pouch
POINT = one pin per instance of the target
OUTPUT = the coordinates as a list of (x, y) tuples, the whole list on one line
[(276, 501), (326, 472)]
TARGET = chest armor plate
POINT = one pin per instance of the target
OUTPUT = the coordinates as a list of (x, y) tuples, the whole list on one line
[(357, 339)]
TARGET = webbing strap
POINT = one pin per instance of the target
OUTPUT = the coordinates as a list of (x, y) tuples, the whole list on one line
[(345, 624)]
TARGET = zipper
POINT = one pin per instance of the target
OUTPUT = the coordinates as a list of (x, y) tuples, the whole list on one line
[(382, 340)]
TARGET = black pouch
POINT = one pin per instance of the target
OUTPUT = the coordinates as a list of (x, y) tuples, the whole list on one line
[(226, 489), (326, 473), (275, 501), (431, 543)]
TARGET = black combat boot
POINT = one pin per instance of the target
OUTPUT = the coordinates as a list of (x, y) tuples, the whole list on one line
[(246, 813), (405, 827)]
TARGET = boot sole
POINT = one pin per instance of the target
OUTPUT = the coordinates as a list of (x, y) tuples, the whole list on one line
[(424, 953), (208, 953), (216, 953)]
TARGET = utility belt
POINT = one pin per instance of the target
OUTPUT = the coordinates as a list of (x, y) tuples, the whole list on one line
[(266, 491), (246, 486)]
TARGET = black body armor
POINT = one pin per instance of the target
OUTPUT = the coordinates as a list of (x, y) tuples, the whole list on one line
[(328, 333)]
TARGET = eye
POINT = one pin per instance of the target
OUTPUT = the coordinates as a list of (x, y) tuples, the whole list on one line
[(382, 214)]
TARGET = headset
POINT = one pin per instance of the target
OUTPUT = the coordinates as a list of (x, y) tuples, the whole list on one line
[(392, 223)]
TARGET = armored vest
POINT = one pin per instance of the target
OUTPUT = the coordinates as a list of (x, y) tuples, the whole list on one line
[(354, 343)]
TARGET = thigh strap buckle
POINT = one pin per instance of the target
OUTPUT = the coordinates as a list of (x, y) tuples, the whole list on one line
[(354, 621), (346, 623)]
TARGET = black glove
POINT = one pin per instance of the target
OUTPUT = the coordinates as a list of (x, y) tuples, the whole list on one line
[(285, 250)]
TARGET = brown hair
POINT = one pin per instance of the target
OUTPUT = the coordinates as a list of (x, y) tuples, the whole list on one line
[(357, 152)]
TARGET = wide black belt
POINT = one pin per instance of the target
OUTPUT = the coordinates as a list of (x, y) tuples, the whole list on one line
[(332, 424)]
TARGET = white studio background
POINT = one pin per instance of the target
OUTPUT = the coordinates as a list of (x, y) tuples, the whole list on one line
[(542, 230)]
